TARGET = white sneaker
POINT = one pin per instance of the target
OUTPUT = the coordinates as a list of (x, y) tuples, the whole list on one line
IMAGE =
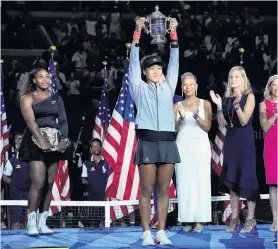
[(80, 225), (3, 226), (32, 224), (43, 228), (162, 238), (147, 239)]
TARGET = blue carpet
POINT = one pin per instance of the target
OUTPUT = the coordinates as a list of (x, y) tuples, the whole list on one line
[(213, 237)]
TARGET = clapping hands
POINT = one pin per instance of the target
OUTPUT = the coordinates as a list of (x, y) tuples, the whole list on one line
[(181, 111), (196, 113), (237, 101), (216, 99)]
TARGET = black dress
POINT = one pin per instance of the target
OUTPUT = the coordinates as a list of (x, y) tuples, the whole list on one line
[(46, 114), (239, 166)]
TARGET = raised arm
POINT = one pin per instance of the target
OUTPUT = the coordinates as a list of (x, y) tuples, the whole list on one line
[(218, 101), (29, 117), (173, 66), (134, 63)]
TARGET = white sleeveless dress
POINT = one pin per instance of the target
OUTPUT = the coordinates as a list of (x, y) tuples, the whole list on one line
[(193, 177)]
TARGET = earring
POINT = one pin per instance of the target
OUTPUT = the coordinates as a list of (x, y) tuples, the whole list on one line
[(196, 92), (182, 93)]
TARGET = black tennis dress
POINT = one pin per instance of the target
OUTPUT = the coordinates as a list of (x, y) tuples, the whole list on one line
[(46, 112)]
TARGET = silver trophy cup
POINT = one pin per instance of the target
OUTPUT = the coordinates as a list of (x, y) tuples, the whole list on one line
[(157, 26)]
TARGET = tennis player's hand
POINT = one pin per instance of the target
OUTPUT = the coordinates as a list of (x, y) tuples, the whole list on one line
[(63, 144), (173, 24), (140, 23), (44, 145)]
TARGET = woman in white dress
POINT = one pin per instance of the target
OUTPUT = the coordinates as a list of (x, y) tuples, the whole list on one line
[(193, 121)]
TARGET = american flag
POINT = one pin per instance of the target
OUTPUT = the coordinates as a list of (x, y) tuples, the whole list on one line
[(53, 76), (217, 164), (61, 186), (119, 148), (103, 115), (4, 132)]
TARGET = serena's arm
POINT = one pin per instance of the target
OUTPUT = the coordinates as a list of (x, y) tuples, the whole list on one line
[(63, 122), (29, 117)]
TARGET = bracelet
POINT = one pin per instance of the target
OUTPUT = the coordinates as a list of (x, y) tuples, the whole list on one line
[(236, 107), (173, 36), (136, 35), (219, 108), (271, 123), (219, 111), (181, 120)]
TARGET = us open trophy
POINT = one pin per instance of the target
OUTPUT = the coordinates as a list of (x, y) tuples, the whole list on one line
[(157, 24)]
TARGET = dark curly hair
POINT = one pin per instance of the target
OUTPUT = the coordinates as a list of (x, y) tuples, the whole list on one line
[(29, 85)]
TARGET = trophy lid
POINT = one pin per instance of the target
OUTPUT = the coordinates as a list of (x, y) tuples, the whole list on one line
[(156, 13)]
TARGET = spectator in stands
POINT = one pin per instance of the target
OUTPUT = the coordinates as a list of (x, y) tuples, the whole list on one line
[(17, 175), (60, 79), (11, 82), (40, 62), (80, 60), (268, 120), (73, 85), (95, 172), (115, 22), (21, 78)]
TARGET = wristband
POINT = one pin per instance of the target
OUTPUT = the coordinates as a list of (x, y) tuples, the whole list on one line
[(136, 35), (173, 36)]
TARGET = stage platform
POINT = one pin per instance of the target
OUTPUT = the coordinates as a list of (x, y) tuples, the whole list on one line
[(213, 237)]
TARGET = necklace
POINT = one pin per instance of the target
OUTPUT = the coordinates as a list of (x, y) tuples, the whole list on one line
[(232, 115), (187, 103), (190, 105), (275, 100)]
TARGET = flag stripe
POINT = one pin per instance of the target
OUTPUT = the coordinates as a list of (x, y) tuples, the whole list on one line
[(61, 186), (103, 115), (4, 133)]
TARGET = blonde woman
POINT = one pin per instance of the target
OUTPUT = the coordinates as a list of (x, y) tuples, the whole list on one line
[(238, 176), (268, 120), (193, 121)]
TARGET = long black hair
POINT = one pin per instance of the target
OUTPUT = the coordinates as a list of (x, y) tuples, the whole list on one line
[(29, 85)]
